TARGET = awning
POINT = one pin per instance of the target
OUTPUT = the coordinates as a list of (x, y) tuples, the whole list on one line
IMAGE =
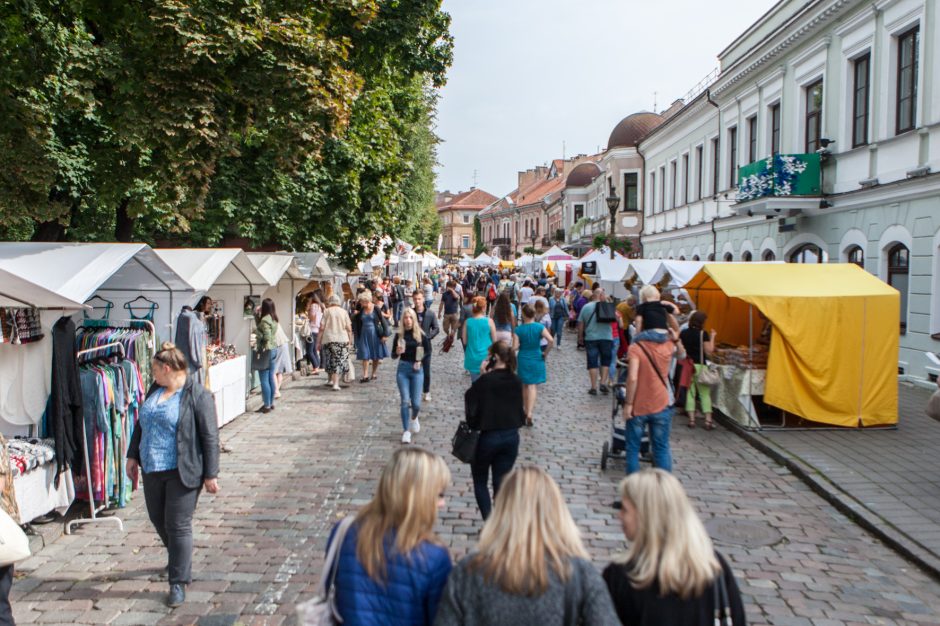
[(204, 268), (314, 265), (275, 266), (645, 270), (834, 347), (16, 292)]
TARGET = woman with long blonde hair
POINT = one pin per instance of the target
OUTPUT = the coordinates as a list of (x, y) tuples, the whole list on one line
[(410, 346), (392, 567), (530, 566), (671, 574)]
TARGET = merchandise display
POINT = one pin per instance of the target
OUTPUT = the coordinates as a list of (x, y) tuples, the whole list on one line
[(221, 353), (20, 326), (741, 356), (28, 454)]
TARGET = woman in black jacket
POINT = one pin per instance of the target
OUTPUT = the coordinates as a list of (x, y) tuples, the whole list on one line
[(494, 407), (671, 574), (176, 444)]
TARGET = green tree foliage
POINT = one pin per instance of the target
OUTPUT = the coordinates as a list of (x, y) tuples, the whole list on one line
[(285, 122), (478, 237)]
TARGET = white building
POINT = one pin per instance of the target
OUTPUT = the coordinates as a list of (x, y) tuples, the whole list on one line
[(862, 75)]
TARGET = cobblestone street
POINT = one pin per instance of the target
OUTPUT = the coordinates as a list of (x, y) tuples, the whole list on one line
[(293, 472)]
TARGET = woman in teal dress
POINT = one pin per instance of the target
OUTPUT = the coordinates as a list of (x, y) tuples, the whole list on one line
[(478, 334), (531, 360)]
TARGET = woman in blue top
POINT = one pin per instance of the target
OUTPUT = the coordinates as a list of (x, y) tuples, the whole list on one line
[(531, 360), (479, 333), (391, 568), (176, 443)]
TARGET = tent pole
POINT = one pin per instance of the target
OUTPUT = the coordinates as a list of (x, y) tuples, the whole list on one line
[(750, 359), (861, 376), (169, 291)]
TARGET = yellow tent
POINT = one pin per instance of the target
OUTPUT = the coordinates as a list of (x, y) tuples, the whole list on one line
[(507, 265), (834, 347)]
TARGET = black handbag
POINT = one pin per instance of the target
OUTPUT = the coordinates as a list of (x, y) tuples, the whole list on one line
[(261, 360), (606, 312), (464, 443)]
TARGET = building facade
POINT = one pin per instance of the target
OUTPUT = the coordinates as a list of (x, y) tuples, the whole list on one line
[(843, 95), (457, 212)]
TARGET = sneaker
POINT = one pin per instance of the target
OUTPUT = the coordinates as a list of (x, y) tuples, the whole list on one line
[(406, 437), (592, 391), (427, 397), (605, 389), (177, 595), (415, 426)]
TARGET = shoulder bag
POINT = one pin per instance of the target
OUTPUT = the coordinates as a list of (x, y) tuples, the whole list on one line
[(464, 443), (321, 610), (722, 605), (383, 329), (606, 312), (14, 544), (707, 375)]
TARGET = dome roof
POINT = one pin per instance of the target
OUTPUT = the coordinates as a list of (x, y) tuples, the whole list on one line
[(633, 128), (583, 174)]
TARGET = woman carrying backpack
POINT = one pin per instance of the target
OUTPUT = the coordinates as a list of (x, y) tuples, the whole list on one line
[(558, 307)]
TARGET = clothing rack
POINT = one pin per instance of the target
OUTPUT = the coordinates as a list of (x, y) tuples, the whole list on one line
[(91, 496), (106, 323)]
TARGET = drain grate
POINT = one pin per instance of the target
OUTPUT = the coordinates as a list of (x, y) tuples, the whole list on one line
[(742, 532)]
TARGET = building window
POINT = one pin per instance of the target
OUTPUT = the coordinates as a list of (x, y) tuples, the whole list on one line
[(769, 256), (728, 257), (465, 241), (752, 139), (775, 129), (652, 193), (662, 189), (699, 157), (861, 71), (856, 255), (695, 257), (631, 200), (674, 183), (733, 156), (808, 253), (685, 178), (716, 163), (813, 120), (898, 277), (578, 212), (711, 257), (906, 102), (746, 256)]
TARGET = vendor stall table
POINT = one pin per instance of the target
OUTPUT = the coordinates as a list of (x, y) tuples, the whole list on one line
[(228, 384), (733, 395)]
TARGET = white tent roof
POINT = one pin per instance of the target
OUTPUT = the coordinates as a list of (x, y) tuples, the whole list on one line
[(646, 270), (483, 259), (77, 270), (314, 265), (274, 266), (554, 251), (681, 272), (204, 268), (18, 292), (612, 269)]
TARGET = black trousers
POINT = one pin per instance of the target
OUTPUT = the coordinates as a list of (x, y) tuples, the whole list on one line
[(496, 450), (170, 505), (6, 583), (426, 364)]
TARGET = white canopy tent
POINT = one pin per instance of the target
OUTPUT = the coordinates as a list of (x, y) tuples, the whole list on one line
[(554, 254), (284, 280), (645, 270), (16, 292), (430, 260), (483, 260), (610, 273)]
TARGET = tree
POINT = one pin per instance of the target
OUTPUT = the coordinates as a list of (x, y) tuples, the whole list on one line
[(623, 245), (478, 237)]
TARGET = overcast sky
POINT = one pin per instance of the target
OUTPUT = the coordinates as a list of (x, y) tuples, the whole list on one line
[(529, 75)]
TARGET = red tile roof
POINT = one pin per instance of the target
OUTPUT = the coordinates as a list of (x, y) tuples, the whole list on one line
[(473, 199)]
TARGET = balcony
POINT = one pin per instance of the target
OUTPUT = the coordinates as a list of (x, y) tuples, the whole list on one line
[(785, 184), (502, 241)]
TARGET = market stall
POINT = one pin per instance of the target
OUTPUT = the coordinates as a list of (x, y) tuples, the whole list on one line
[(483, 260), (236, 288), (284, 279), (814, 340), (315, 267)]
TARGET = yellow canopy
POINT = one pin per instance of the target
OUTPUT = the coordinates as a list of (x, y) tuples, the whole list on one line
[(507, 265), (834, 348)]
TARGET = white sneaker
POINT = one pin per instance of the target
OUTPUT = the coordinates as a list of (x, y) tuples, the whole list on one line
[(406, 437), (427, 397), (415, 426)]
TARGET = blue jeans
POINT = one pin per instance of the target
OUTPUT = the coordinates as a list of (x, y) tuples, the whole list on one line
[(659, 424), (558, 327), (497, 449), (267, 385), (409, 388), (313, 355), (397, 310)]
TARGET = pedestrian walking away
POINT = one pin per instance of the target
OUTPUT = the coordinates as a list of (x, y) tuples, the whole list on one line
[(648, 399), (450, 308), (370, 329), (494, 406), (558, 307), (597, 340), (409, 347), (334, 340), (504, 318), (530, 567), (427, 320), (176, 445), (527, 340), (671, 573), (314, 317), (477, 335), (392, 567)]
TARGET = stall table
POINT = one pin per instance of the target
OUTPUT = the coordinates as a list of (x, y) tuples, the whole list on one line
[(733, 393), (228, 384)]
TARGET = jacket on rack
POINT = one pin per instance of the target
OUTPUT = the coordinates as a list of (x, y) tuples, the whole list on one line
[(197, 436), (64, 411), (192, 339), (410, 593)]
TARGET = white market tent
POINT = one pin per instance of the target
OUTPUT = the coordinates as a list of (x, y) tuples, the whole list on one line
[(610, 274), (645, 270), (483, 259), (284, 280), (554, 254), (430, 260), (16, 292), (314, 265)]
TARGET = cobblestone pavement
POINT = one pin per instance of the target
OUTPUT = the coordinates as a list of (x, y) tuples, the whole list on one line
[(295, 471)]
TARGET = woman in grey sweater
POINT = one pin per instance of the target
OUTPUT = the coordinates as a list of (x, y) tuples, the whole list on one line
[(530, 566)]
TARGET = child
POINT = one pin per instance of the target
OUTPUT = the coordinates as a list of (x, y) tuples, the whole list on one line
[(655, 315), (542, 316)]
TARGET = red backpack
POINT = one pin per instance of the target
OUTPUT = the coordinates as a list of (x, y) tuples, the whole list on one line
[(491, 293)]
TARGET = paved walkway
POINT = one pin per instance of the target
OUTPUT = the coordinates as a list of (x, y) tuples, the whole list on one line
[(294, 472), (888, 479)]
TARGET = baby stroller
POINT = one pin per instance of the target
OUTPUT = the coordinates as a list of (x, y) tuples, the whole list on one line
[(616, 446)]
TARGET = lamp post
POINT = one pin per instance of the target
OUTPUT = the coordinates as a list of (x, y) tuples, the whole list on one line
[(613, 203)]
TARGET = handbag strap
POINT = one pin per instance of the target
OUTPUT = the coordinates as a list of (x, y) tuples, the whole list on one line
[(653, 363), (701, 347), (722, 606), (332, 557)]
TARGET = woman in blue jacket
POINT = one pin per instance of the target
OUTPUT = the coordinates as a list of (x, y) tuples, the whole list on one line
[(392, 568)]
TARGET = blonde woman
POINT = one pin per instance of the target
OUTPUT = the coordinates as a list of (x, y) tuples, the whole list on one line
[(409, 347), (392, 568), (529, 567), (671, 570)]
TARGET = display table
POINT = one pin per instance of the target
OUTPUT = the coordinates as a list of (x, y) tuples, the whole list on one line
[(227, 382), (36, 493), (732, 394)]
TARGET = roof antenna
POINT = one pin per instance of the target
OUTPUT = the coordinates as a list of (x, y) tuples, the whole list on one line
[(562, 149), (654, 102), (474, 179)]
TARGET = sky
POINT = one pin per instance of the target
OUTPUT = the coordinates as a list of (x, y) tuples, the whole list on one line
[(532, 78)]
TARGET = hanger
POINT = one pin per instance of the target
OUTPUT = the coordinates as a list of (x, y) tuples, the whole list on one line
[(148, 315), (99, 304)]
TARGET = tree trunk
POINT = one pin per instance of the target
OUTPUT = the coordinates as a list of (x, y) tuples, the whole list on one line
[(124, 223), (49, 231)]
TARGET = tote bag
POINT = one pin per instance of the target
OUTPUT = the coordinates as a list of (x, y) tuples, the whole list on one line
[(14, 544), (321, 610)]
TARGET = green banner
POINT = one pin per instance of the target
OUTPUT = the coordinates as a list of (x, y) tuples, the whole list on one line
[(781, 175)]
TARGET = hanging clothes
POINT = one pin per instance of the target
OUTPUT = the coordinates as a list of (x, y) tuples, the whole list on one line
[(192, 339), (64, 412)]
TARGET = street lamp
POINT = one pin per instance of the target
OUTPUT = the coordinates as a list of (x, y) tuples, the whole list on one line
[(613, 203)]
